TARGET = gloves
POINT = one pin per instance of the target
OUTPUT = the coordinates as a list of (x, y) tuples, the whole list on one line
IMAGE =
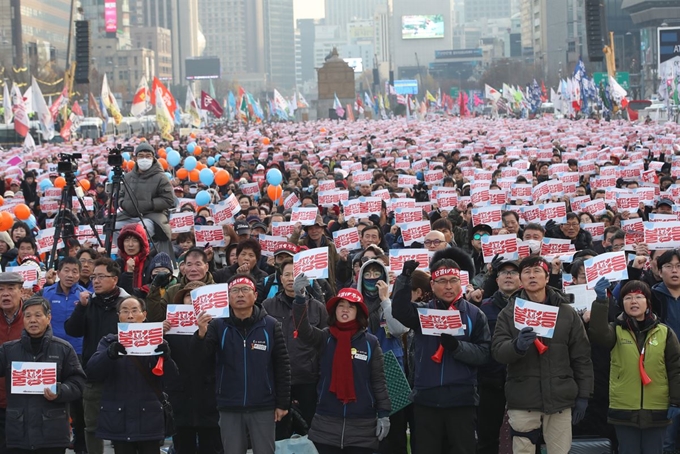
[(550, 225), (525, 339), (383, 428), (497, 262), (601, 287), (161, 280), (579, 410), (300, 284), (448, 342), (409, 267), (673, 412), (164, 350), (116, 350)]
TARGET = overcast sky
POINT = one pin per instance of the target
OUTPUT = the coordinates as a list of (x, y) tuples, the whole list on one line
[(309, 9)]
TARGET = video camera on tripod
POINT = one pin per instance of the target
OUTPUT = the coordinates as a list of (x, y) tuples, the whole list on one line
[(67, 163), (115, 158)]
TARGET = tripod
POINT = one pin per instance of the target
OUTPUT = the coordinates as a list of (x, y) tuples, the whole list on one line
[(110, 226), (64, 225)]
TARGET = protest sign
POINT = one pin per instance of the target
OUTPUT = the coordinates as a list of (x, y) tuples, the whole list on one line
[(305, 216), (29, 274), (435, 322), (313, 263), (182, 318), (415, 232), (612, 266), (662, 235), (182, 221), (583, 296), (400, 256), (541, 317), (33, 377), (491, 216), (212, 235), (269, 244), (211, 299), (347, 239), (504, 245), (140, 339)]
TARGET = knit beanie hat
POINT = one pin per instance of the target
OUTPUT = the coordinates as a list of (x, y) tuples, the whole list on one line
[(161, 260)]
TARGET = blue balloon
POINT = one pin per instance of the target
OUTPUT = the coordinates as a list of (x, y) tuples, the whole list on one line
[(31, 222), (46, 184), (110, 175), (191, 147), (126, 156), (206, 176), (211, 161), (173, 158), (202, 198), (168, 149), (274, 177), (190, 163), (169, 175)]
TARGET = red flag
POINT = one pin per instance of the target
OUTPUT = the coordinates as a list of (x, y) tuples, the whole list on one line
[(66, 130), (211, 105), (633, 115), (169, 100), (77, 110)]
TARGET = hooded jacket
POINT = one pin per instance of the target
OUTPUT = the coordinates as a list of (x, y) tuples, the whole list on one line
[(142, 275), (662, 362), (153, 194), (550, 382)]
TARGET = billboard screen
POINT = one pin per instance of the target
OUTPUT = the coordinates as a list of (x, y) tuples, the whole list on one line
[(355, 63), (203, 68), (422, 27), (110, 16)]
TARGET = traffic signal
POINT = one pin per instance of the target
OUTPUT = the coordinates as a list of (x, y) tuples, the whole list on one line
[(82, 75), (595, 29)]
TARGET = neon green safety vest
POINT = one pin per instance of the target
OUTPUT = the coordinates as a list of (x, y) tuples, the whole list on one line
[(626, 391)]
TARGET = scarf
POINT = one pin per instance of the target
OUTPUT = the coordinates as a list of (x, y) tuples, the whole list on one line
[(342, 376), (140, 258)]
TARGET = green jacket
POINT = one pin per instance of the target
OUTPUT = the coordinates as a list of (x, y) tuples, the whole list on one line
[(630, 402), (157, 302), (550, 382)]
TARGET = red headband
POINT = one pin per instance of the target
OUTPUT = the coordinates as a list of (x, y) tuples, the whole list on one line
[(446, 272), (242, 280), (545, 267), (636, 291)]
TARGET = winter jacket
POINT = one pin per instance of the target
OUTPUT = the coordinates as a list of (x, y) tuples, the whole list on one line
[(270, 286), (583, 240), (352, 424), (223, 275), (493, 373), (153, 194), (666, 307), (63, 306), (191, 388), (304, 361), (332, 256), (8, 257), (129, 408), (94, 321), (550, 382), (9, 333), (453, 382), (631, 402), (127, 278), (33, 422), (252, 365), (29, 191)]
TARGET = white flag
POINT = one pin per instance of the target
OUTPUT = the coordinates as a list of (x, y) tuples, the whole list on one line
[(7, 105), (44, 114), (191, 107), (141, 103)]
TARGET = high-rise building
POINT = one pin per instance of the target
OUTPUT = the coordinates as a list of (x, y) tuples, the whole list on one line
[(254, 39), (307, 30), (487, 9), (342, 12), (94, 11), (34, 32), (159, 40)]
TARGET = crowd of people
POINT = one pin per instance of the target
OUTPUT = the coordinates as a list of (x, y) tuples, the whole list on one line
[(308, 356)]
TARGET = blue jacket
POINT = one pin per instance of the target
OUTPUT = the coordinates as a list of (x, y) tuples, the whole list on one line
[(62, 307), (493, 372), (252, 366), (453, 382)]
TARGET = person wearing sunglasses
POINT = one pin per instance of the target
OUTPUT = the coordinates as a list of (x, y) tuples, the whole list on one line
[(478, 233)]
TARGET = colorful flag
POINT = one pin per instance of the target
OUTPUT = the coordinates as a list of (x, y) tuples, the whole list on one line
[(140, 102), (21, 122), (191, 107), (491, 93), (338, 107), (280, 105), (302, 102), (93, 106), (211, 105), (110, 102), (7, 104), (59, 103), (163, 116), (44, 115), (168, 99)]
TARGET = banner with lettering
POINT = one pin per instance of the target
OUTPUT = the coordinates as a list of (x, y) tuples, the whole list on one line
[(292, 200), (541, 317), (29, 274), (406, 215), (270, 244), (182, 318), (212, 235), (491, 216), (414, 232), (313, 263), (556, 211), (182, 222), (140, 339), (361, 207), (611, 265), (435, 322), (45, 240), (33, 377), (211, 299), (662, 235), (305, 216), (283, 228), (347, 239), (224, 212), (556, 246), (504, 245), (400, 256)]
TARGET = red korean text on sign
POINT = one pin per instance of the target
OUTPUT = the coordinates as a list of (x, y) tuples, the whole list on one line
[(215, 300), (441, 322), (311, 263), (34, 377), (533, 318), (604, 267), (181, 319), (141, 338)]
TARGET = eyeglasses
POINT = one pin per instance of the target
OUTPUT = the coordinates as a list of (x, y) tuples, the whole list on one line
[(572, 224), (508, 273), (372, 274), (86, 261), (618, 247), (99, 277), (479, 236), (434, 243), (133, 312), (240, 290), (634, 297), (445, 282), (671, 267)]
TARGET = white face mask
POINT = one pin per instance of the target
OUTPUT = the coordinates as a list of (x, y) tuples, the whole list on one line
[(534, 246), (144, 164)]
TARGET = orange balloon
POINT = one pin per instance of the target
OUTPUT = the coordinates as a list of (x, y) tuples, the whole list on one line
[(214, 169), (198, 150), (2, 201), (182, 173), (192, 135), (207, 140), (60, 182), (323, 130), (274, 192), (266, 141), (195, 175), (85, 184), (221, 177), (6, 221), (22, 212), (162, 153), (163, 163)]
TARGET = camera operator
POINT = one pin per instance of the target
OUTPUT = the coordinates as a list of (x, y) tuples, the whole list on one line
[(150, 192)]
